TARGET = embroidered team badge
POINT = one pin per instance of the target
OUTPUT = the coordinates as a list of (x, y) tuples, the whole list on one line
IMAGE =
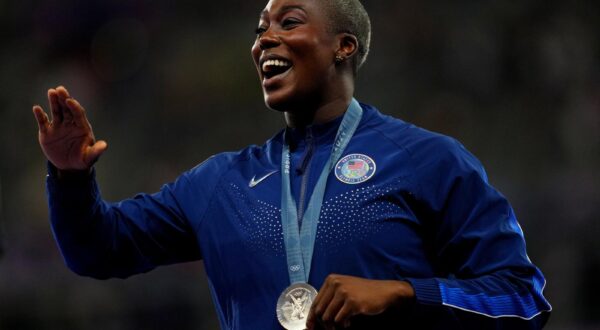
[(355, 169)]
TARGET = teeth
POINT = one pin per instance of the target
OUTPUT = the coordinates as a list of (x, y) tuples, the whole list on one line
[(275, 63)]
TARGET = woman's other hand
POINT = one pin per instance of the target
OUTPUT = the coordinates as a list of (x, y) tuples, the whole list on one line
[(343, 297), (67, 140)]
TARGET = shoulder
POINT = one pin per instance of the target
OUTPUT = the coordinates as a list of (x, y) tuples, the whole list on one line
[(428, 151), (216, 166)]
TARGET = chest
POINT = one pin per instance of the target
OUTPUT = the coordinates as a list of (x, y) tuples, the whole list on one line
[(366, 217)]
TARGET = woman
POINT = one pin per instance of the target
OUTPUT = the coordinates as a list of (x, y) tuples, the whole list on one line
[(396, 226)]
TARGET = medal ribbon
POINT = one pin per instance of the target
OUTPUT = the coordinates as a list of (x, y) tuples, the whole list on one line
[(299, 244)]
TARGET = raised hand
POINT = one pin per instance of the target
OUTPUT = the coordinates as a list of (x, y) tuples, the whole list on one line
[(67, 140), (343, 297)]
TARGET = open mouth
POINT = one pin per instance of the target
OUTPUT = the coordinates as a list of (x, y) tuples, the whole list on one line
[(272, 68)]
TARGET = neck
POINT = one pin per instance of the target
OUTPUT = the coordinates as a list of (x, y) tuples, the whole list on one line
[(322, 114), (326, 110)]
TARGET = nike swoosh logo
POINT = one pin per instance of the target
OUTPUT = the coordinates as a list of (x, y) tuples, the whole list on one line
[(254, 182)]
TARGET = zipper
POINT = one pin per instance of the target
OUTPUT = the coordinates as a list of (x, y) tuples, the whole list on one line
[(305, 172)]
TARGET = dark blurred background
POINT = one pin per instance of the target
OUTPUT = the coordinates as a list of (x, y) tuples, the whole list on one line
[(169, 83)]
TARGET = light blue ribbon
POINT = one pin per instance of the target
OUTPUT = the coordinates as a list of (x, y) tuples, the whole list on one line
[(299, 244)]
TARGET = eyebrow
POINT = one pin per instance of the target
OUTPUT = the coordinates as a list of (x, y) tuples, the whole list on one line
[(284, 10)]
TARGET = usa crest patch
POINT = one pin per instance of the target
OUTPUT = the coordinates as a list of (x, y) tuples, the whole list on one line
[(355, 169)]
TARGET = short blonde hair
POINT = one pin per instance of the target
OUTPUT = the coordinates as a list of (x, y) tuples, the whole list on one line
[(349, 16)]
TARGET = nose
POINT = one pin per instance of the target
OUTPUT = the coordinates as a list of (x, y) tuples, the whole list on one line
[(268, 40)]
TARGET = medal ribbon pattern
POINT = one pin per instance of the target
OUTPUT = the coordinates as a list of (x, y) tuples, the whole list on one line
[(299, 243)]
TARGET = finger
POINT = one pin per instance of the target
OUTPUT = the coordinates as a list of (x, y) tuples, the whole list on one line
[(320, 303), (77, 112), (41, 118), (57, 116), (324, 293), (334, 307), (63, 96), (321, 300), (344, 314), (94, 152), (63, 91)]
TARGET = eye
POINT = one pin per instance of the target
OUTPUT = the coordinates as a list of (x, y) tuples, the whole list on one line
[(260, 30), (290, 23)]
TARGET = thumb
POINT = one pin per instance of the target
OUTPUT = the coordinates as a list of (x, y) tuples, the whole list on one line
[(94, 152)]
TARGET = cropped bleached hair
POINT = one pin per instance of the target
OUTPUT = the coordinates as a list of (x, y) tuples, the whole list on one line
[(349, 16)]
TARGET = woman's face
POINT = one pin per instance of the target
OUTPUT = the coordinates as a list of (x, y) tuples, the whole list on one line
[(294, 54)]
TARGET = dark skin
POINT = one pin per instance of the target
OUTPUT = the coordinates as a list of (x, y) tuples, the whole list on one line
[(67, 139), (314, 88), (296, 31)]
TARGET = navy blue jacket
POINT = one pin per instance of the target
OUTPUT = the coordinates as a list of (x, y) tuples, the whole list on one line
[(422, 212)]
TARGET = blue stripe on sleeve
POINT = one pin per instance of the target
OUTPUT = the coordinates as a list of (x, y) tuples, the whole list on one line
[(524, 306)]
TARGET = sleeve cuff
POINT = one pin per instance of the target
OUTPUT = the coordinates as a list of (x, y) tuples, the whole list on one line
[(427, 290), (71, 186), (72, 176)]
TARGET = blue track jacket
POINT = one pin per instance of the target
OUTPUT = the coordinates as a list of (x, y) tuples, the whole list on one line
[(422, 211)]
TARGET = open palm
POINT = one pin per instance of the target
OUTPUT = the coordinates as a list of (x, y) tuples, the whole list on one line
[(67, 140)]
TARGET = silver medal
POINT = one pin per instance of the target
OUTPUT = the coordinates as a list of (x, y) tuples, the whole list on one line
[(294, 304)]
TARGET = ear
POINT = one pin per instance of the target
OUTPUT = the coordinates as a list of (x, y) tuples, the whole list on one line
[(347, 45)]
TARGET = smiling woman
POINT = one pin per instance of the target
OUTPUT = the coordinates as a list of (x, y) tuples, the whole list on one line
[(302, 64), (345, 218)]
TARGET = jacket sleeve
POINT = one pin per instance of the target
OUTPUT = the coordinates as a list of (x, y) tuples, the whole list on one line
[(486, 280), (101, 239)]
